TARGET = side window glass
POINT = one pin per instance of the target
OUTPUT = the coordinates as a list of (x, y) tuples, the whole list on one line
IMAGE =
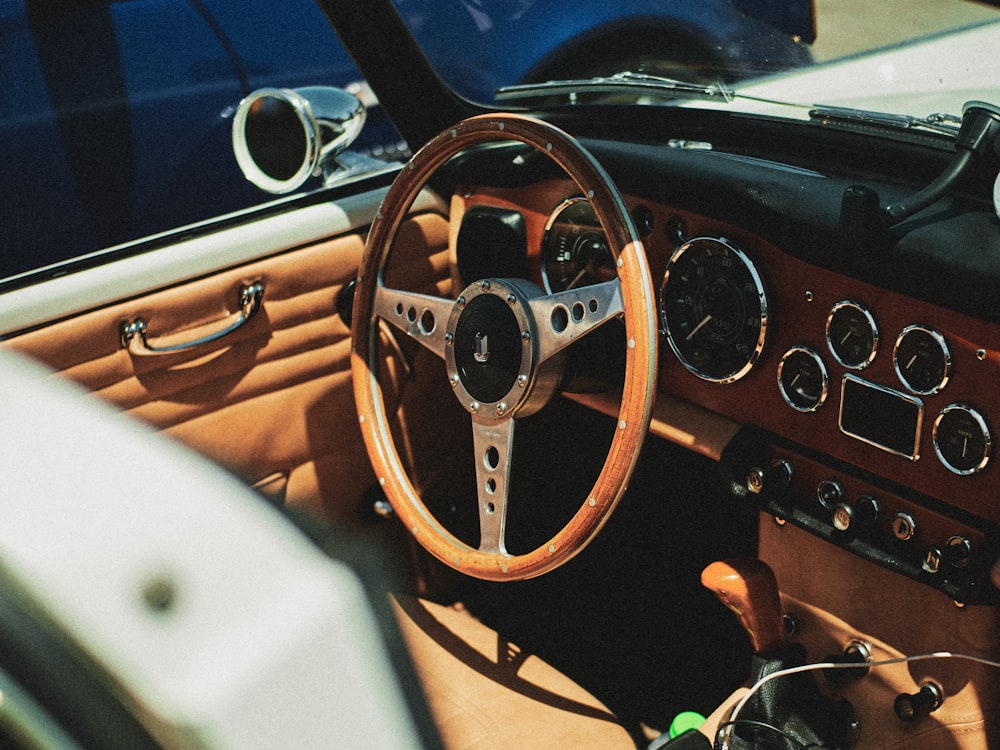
[(116, 116)]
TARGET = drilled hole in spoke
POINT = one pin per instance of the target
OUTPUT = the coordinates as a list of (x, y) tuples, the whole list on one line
[(411, 315), (491, 486), (492, 458), (490, 509), (399, 308), (578, 312), (427, 322), (593, 305), (559, 319)]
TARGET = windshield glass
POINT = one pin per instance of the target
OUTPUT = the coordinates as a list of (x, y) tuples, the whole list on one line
[(117, 118), (794, 51)]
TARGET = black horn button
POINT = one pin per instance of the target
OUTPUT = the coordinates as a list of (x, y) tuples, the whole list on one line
[(488, 348)]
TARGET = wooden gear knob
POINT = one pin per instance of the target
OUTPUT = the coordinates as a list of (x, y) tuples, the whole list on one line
[(748, 587)]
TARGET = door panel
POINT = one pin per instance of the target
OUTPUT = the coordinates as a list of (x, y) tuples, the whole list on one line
[(272, 401)]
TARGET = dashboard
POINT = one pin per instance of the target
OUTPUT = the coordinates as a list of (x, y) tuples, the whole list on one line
[(866, 414)]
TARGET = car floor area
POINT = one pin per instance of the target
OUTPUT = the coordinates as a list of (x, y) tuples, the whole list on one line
[(627, 618)]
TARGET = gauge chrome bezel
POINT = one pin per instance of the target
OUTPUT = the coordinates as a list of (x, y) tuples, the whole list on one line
[(762, 311), (996, 196), (945, 352), (814, 356), (985, 431), (872, 327)]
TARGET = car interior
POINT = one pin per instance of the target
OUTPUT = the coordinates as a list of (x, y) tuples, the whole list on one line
[(640, 405)]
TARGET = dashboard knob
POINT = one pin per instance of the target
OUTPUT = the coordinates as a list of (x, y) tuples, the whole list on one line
[(829, 492), (776, 477), (904, 527), (855, 517), (955, 554), (910, 707), (856, 653), (756, 480), (933, 560), (958, 551)]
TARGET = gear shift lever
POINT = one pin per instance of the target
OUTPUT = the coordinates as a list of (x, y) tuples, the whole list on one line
[(747, 586), (790, 713)]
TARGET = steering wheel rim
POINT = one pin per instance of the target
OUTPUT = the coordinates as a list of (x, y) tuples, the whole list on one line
[(630, 296)]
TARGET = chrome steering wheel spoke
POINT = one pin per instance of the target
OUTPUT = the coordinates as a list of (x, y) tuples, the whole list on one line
[(565, 317), (420, 316), (493, 442)]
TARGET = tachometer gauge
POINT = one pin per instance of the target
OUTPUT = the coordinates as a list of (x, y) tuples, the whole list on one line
[(714, 309), (852, 335), (922, 359), (575, 251), (962, 439)]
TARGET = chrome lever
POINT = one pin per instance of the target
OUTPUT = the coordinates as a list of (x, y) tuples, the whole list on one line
[(134, 338)]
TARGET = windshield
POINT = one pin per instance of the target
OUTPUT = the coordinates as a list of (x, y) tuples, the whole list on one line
[(116, 118), (790, 51)]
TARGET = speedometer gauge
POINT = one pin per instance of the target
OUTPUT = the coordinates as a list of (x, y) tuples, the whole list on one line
[(714, 309)]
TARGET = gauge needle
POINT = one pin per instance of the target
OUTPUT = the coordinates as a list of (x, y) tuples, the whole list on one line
[(910, 363), (844, 340), (583, 271), (702, 324)]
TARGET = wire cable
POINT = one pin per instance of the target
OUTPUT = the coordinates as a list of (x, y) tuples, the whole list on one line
[(734, 716)]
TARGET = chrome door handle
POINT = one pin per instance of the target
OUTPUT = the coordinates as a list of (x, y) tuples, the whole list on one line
[(133, 335)]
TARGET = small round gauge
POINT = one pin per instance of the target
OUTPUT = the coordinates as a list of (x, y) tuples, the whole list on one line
[(852, 335), (922, 359), (575, 251), (962, 439), (713, 309), (802, 379)]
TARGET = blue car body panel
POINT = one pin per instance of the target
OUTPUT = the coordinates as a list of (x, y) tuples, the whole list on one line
[(94, 138)]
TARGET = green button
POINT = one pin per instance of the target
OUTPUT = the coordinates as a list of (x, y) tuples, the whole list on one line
[(685, 721)]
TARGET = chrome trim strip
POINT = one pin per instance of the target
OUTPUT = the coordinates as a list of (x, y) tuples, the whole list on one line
[(35, 305), (914, 455)]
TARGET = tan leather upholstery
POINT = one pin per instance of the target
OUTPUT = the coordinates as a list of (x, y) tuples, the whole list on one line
[(271, 401), (486, 693), (838, 598)]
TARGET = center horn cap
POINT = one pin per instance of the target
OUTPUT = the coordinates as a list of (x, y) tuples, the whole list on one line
[(491, 347)]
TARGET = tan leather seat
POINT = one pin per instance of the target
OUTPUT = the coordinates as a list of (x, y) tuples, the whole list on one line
[(485, 692)]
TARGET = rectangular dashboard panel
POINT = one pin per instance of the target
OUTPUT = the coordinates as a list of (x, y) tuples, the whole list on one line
[(881, 416)]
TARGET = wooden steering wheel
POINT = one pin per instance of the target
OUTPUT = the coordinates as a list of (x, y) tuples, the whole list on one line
[(502, 341)]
